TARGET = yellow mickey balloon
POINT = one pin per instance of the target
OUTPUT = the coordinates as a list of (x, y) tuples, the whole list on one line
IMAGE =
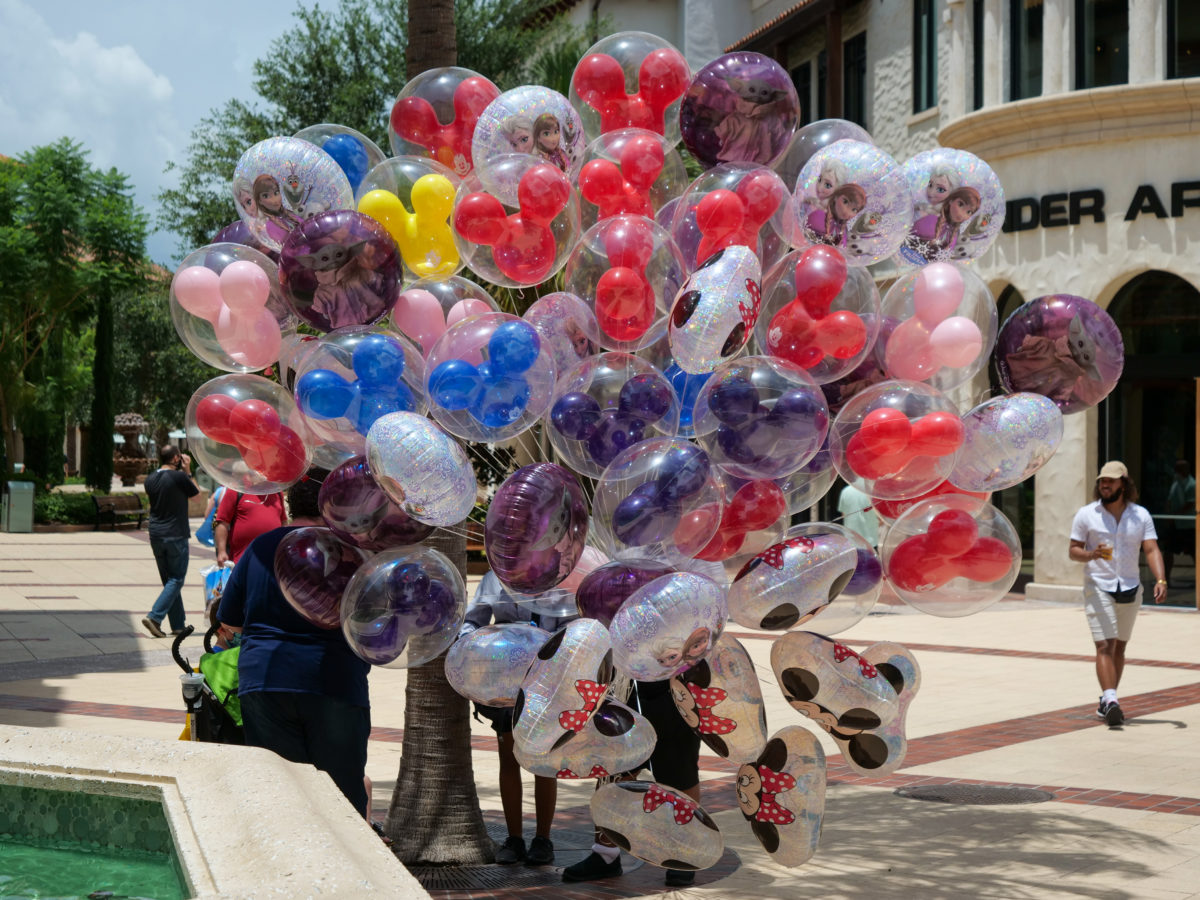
[(424, 237)]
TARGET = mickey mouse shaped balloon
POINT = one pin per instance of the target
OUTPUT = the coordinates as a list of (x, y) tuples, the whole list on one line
[(436, 113), (489, 378), (413, 199)]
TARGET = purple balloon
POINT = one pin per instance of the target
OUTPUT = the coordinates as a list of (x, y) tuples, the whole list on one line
[(339, 268), (645, 396), (615, 431), (604, 589), (1062, 347), (741, 107), (358, 511), (535, 529), (313, 568), (576, 415), (750, 434), (867, 572), (239, 233)]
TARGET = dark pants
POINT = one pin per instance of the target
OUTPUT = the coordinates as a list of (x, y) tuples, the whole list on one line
[(171, 554), (322, 731)]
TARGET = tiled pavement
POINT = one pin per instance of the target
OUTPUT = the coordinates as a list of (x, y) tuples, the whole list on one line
[(1007, 699)]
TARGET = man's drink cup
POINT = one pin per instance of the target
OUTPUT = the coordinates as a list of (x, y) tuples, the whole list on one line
[(1105, 551)]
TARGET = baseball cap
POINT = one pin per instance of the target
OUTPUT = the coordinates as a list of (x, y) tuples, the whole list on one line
[(1113, 469)]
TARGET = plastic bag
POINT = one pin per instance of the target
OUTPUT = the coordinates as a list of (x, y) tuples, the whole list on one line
[(215, 578)]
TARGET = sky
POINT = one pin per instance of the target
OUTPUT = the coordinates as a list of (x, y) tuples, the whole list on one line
[(128, 79)]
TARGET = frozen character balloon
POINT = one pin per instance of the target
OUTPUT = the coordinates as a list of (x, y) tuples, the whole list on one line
[(531, 120), (1063, 347), (853, 196), (958, 206)]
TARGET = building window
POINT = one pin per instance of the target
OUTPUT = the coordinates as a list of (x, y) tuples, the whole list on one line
[(977, 54), (802, 79), (1101, 43), (1025, 45), (924, 55), (822, 86), (854, 79), (1183, 39)]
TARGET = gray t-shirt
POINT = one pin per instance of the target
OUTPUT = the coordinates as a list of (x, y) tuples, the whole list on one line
[(169, 490)]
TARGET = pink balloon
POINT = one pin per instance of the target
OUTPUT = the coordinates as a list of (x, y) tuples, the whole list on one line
[(198, 291), (419, 316), (908, 355), (245, 287), (464, 309), (590, 559), (956, 342), (252, 340), (937, 292)]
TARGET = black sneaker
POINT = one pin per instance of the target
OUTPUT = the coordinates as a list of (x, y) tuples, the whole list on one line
[(541, 852), (591, 868), (513, 851), (1100, 708), (1113, 714), (680, 877)]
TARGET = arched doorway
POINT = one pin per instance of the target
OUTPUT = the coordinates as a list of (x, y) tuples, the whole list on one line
[(1149, 420)]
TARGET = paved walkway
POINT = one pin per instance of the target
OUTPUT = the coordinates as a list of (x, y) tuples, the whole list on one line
[(1008, 698)]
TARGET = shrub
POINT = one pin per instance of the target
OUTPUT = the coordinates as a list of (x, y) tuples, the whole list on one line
[(67, 509)]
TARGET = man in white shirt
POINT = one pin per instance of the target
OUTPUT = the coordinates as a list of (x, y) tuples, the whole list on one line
[(1108, 536), (859, 514)]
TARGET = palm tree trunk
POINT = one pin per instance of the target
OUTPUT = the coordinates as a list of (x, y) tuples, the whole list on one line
[(434, 817), (432, 37)]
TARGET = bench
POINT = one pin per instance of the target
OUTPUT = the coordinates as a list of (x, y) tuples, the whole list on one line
[(114, 508)]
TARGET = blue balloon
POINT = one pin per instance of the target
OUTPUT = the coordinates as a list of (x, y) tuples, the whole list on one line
[(687, 389), (349, 153), (378, 361), (453, 383), (513, 348), (324, 394), (494, 392)]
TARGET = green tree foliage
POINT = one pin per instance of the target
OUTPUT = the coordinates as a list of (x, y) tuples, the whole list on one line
[(342, 65), (68, 234)]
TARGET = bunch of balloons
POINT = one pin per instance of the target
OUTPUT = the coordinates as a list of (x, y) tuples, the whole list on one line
[(690, 365)]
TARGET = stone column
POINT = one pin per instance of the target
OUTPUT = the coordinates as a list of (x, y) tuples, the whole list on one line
[(1058, 41), (1147, 41), (993, 53), (955, 104)]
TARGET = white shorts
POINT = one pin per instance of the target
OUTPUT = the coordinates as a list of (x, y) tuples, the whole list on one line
[(1107, 619)]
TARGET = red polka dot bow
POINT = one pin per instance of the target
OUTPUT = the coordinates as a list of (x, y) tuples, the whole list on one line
[(684, 808), (706, 699), (774, 783), (841, 653), (592, 693), (596, 772), (773, 555)]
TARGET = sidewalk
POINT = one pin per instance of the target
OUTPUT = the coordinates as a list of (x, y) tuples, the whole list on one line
[(1007, 698)]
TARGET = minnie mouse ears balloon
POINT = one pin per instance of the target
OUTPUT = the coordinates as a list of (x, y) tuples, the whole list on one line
[(436, 113)]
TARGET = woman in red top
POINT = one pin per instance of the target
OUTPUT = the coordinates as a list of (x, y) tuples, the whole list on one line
[(243, 517)]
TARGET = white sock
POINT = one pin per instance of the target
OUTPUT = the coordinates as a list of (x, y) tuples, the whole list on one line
[(608, 854), (1109, 696)]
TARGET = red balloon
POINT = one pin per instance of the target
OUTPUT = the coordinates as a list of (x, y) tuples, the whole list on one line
[(523, 245), (841, 334), (255, 424), (893, 509), (600, 83), (936, 434), (283, 460), (414, 119), (820, 276), (624, 190), (988, 560), (907, 566), (885, 431), (212, 418), (951, 532), (726, 218), (624, 303), (754, 506)]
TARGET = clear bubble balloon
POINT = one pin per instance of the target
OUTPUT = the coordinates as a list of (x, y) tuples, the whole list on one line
[(605, 405), (631, 269), (667, 626), (356, 153), (403, 607), (358, 512), (808, 484), (760, 417), (281, 181), (1006, 440), (659, 499), (631, 172), (852, 196), (952, 556), (228, 309), (517, 228), (429, 306), (958, 206), (421, 468), (567, 327), (781, 795), (313, 569), (533, 121), (1063, 347), (818, 313), (489, 378), (412, 198), (946, 326), (741, 107), (896, 440), (248, 434), (351, 378), (812, 137), (630, 80), (436, 113)]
